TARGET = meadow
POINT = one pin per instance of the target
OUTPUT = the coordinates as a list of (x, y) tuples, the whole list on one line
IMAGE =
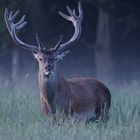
[(21, 118)]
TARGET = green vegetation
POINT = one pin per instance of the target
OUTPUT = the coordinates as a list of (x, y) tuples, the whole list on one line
[(21, 118)]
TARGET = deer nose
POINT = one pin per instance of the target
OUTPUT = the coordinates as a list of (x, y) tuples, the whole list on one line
[(48, 67)]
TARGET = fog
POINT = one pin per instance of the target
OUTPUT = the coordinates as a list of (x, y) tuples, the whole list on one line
[(107, 50)]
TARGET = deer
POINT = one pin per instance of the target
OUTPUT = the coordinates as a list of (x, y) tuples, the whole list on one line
[(82, 98)]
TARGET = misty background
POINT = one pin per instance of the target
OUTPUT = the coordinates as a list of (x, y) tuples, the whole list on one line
[(108, 50)]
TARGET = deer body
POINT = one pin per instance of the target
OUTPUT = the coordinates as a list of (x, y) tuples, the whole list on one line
[(83, 98)]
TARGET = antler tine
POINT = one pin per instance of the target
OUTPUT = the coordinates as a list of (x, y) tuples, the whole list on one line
[(6, 18), (22, 20), (12, 17), (80, 10), (58, 44), (64, 15), (40, 46), (76, 20), (72, 13), (13, 28), (21, 25)]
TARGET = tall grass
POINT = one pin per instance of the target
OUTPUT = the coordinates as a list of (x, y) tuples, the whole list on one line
[(21, 118)]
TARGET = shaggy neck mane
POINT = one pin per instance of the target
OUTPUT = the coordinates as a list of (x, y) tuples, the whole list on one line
[(48, 89)]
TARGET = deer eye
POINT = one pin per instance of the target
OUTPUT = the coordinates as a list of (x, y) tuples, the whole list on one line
[(40, 59), (56, 59)]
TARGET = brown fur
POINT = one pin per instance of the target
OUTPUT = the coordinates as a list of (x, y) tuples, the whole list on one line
[(83, 98)]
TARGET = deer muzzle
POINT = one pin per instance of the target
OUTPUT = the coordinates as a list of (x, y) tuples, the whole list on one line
[(47, 73)]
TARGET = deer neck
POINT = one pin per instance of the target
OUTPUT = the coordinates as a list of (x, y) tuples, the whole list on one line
[(48, 88)]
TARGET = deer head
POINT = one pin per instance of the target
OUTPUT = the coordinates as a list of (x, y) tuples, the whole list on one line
[(47, 58)]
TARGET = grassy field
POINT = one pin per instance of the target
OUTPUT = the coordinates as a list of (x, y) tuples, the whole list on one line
[(21, 118)]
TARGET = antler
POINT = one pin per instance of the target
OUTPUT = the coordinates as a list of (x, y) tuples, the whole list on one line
[(13, 28), (76, 20)]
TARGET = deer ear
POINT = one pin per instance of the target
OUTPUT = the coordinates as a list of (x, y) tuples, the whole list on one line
[(61, 55), (35, 54)]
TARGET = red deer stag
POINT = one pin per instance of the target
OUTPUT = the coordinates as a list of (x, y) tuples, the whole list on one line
[(83, 98)]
